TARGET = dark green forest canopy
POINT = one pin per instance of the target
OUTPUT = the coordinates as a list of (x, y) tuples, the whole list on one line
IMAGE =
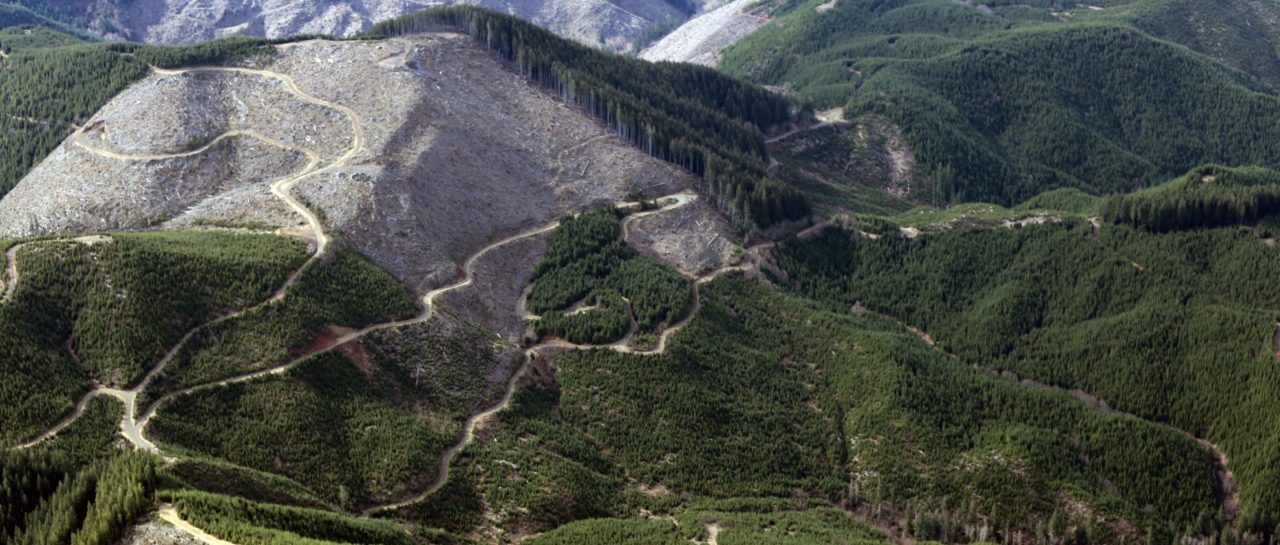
[(765, 395), (1004, 103), (50, 501), (1208, 196), (1158, 325), (119, 305), (588, 262), (692, 116)]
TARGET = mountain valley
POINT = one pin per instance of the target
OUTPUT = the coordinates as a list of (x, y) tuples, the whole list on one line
[(639, 272)]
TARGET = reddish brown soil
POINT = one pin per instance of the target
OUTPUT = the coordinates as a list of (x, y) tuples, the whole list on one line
[(354, 350)]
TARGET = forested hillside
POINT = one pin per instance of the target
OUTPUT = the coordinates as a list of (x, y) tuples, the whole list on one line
[(1002, 102), (766, 396), (1208, 196), (1158, 325), (1006, 333), (106, 310)]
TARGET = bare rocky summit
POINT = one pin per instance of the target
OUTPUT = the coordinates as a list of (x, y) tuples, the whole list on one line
[(612, 24)]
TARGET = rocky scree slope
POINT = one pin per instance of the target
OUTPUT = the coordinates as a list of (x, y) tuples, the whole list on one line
[(613, 24), (701, 39)]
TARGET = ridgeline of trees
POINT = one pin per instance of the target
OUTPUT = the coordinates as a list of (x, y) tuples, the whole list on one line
[(1208, 196), (55, 504), (250, 523), (695, 117)]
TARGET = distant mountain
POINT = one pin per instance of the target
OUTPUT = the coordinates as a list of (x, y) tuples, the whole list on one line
[(614, 24)]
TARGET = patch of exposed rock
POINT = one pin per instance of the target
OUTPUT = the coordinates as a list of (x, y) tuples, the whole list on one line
[(613, 24), (701, 39)]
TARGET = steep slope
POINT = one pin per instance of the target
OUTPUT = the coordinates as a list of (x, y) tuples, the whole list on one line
[(701, 39), (612, 24), (446, 138)]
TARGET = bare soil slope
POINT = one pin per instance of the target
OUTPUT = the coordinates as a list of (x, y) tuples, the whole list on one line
[(457, 151)]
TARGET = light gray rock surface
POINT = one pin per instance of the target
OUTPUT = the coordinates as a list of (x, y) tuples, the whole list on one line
[(613, 24)]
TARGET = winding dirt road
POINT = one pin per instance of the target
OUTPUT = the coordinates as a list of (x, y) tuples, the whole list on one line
[(429, 307), (132, 427), (474, 421), (170, 515), (11, 268), (621, 346)]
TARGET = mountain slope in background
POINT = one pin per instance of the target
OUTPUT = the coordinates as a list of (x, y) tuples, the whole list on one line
[(701, 39), (612, 24)]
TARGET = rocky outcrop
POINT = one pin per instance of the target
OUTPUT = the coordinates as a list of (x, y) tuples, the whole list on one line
[(613, 24), (702, 39)]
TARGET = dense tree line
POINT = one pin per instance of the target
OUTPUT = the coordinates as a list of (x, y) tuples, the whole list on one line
[(1209, 196), (219, 477), (692, 116), (1065, 306), (586, 261), (609, 321), (89, 506), (250, 523), (266, 524)]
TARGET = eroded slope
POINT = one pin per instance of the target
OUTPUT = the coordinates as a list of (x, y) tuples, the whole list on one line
[(454, 151)]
